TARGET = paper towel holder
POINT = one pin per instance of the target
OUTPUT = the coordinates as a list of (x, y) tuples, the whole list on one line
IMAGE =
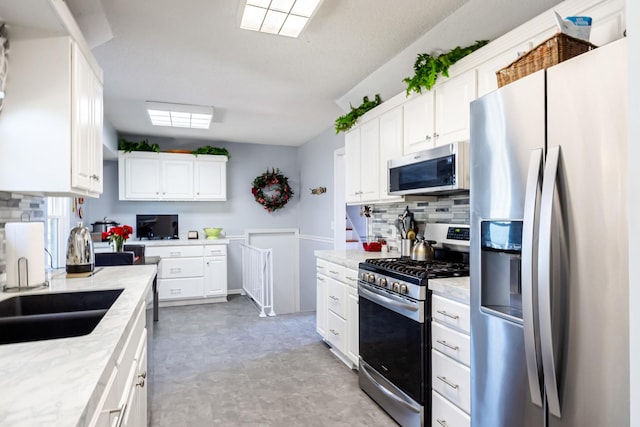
[(23, 273)]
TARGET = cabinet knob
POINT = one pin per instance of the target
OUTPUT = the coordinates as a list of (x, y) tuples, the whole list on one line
[(435, 135), (428, 137)]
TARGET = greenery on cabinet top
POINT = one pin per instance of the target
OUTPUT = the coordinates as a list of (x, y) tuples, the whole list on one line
[(346, 122), (143, 145)]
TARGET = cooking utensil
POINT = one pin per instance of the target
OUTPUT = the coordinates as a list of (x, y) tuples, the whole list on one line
[(104, 225)]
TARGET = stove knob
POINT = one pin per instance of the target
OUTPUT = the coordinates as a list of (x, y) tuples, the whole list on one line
[(382, 282), (404, 289), (396, 287), (371, 278)]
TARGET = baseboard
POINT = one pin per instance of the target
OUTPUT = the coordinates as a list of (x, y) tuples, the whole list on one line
[(195, 301)]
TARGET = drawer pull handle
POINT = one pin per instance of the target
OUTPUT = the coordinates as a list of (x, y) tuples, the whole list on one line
[(452, 316), (334, 298), (175, 291), (120, 412), (176, 270), (320, 279), (443, 423), (175, 253), (350, 278), (446, 344), (447, 382), (333, 331), (333, 272)]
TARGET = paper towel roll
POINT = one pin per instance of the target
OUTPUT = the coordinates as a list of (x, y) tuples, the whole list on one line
[(25, 239)]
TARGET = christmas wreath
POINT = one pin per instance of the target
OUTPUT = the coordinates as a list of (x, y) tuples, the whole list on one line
[(278, 192)]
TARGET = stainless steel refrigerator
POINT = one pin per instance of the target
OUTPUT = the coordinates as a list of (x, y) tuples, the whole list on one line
[(549, 263)]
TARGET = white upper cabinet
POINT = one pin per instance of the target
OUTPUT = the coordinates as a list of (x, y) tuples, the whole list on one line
[(419, 124), (453, 97), (352, 165), (51, 120), (390, 148), (211, 178), (362, 163), (169, 176), (487, 81)]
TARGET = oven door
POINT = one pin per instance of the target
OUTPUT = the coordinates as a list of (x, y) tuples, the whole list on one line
[(392, 343)]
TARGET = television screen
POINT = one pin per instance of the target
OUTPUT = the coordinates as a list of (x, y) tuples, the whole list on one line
[(157, 227)]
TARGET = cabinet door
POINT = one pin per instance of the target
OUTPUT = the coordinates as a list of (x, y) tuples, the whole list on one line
[(369, 161), (418, 123), (81, 122), (141, 178), (177, 179), (352, 325), (210, 180), (352, 164), (452, 108), (141, 385), (215, 276), (321, 305), (96, 136), (390, 148), (104, 415)]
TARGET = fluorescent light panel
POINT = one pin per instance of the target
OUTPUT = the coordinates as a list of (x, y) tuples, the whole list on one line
[(179, 115), (282, 17)]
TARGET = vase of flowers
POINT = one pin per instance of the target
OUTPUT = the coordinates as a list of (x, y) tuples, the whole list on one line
[(117, 236)]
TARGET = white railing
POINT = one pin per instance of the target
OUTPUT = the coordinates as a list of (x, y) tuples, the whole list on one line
[(257, 277)]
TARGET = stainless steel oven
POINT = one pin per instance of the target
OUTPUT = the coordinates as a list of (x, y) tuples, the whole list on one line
[(394, 306), (394, 341)]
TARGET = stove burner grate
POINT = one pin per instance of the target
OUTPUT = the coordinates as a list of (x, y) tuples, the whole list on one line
[(421, 269)]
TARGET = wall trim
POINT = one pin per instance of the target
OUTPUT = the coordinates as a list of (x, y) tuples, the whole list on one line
[(316, 238)]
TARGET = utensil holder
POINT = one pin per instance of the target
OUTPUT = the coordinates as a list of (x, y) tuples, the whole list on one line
[(405, 247)]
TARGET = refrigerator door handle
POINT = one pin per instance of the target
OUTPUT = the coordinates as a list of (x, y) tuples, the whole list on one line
[(529, 282), (545, 265)]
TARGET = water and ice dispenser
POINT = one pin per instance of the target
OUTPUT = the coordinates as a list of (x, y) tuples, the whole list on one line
[(500, 259)]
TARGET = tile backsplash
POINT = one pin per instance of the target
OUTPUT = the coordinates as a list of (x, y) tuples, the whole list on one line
[(452, 209), (15, 208)]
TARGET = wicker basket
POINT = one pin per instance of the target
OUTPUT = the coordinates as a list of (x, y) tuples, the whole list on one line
[(550, 52)]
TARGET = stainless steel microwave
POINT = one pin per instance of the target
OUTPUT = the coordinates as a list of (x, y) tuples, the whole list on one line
[(443, 169)]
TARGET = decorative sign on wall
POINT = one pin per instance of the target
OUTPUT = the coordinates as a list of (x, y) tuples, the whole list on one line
[(318, 190), (272, 190)]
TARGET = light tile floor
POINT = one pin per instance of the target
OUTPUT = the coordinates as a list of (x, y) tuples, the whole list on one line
[(220, 364)]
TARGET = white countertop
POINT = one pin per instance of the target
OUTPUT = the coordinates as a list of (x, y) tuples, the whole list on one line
[(167, 242), (456, 288), (352, 258), (59, 382)]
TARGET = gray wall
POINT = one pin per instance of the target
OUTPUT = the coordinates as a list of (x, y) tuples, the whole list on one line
[(315, 159), (238, 213)]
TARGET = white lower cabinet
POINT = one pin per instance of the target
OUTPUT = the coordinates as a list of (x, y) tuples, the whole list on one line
[(191, 272), (450, 362), (337, 309), (446, 414), (124, 399)]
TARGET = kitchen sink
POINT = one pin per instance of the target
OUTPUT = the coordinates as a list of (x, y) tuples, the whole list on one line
[(39, 317)]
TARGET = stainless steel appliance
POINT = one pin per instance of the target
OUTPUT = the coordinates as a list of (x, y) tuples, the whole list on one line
[(394, 334), (443, 169), (549, 272), (80, 255)]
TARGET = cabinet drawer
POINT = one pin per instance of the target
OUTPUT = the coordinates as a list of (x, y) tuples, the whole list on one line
[(337, 331), (169, 289), (174, 251), (335, 271), (451, 379), (452, 343), (215, 250), (171, 268), (127, 355), (337, 297), (351, 277), (451, 313), (446, 414), (322, 266)]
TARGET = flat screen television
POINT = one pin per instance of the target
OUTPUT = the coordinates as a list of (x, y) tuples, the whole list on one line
[(157, 227)]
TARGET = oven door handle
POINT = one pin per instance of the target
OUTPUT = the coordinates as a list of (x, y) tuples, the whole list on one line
[(386, 301), (389, 394)]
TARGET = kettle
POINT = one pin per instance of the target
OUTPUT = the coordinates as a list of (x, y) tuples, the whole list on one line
[(80, 256), (423, 251)]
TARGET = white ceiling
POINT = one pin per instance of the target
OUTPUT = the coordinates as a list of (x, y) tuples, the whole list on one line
[(265, 89)]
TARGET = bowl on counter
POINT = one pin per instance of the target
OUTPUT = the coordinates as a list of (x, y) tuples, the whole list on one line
[(372, 246), (212, 233)]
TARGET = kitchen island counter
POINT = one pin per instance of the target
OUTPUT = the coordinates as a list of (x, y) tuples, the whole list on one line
[(59, 382)]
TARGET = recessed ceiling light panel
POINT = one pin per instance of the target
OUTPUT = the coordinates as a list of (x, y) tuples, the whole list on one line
[(179, 115), (282, 17)]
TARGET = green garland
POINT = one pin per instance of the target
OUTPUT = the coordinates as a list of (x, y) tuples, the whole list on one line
[(269, 179), (427, 67), (346, 122)]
